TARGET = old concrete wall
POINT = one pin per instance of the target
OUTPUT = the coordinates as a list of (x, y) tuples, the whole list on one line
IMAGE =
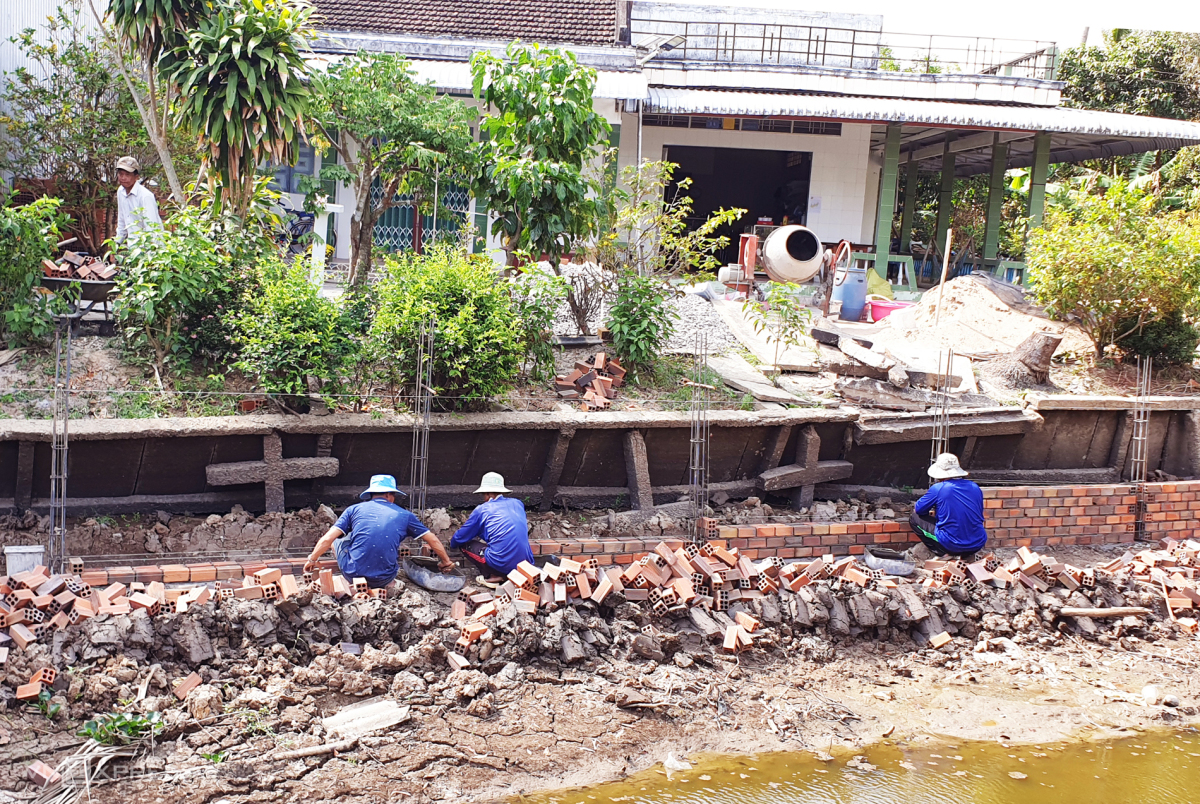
[(622, 459)]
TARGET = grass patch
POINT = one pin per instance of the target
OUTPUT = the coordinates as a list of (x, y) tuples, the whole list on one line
[(662, 381)]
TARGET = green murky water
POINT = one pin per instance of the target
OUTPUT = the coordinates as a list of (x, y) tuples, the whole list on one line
[(1150, 769)]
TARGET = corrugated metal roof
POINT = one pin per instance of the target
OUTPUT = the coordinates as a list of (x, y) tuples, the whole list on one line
[(456, 76), (918, 112)]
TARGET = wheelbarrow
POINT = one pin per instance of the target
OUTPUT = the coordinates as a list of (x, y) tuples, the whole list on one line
[(424, 572), (91, 292)]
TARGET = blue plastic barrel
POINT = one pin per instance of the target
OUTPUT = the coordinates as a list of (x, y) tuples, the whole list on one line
[(850, 288)]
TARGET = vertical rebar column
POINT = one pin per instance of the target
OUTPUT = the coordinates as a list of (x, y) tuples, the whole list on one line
[(698, 453), (941, 421), (58, 446), (1139, 444), (418, 480)]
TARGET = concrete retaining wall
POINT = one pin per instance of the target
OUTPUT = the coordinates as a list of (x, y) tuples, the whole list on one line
[(617, 459)]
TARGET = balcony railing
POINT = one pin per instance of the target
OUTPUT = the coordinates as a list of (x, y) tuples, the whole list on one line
[(811, 45)]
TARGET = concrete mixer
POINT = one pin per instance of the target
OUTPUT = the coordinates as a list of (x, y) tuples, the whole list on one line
[(792, 254)]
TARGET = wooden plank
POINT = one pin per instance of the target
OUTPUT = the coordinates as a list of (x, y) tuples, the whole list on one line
[(737, 373), (790, 358)]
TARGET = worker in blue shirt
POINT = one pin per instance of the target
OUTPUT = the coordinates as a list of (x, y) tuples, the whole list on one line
[(495, 538), (366, 539), (956, 527)]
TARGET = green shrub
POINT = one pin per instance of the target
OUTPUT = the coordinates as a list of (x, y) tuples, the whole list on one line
[(288, 332), (477, 349), (1101, 260), (122, 728), (1170, 341), (168, 278), (536, 296), (27, 235), (640, 318)]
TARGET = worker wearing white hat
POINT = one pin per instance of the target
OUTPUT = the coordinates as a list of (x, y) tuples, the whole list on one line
[(137, 208), (495, 538), (956, 526)]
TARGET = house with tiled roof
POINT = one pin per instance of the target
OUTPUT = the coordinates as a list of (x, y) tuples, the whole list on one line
[(820, 118)]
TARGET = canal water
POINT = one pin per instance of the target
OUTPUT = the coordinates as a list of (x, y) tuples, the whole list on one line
[(1158, 768)]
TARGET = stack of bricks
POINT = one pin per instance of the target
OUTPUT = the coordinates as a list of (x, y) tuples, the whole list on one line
[(593, 382), (1172, 571), (669, 580), (78, 266)]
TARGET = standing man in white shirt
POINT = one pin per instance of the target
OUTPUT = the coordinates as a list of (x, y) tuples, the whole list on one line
[(137, 208)]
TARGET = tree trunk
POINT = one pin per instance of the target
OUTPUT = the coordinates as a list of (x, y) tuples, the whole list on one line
[(577, 310), (362, 239), (1028, 365), (1034, 353), (147, 109)]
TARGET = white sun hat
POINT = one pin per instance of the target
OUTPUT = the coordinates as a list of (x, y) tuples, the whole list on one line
[(493, 483), (946, 466)]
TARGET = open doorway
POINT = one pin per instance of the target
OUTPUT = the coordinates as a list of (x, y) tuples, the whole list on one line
[(767, 184)]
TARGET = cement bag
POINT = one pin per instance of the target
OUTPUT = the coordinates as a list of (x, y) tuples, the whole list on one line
[(792, 254)]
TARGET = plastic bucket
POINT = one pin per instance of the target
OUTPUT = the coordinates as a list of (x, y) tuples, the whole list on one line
[(882, 308), (23, 557), (850, 288)]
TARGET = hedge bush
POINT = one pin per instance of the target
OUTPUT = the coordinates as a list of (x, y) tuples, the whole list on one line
[(289, 332), (1170, 341), (478, 347)]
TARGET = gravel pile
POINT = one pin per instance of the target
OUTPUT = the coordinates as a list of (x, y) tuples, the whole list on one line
[(697, 314)]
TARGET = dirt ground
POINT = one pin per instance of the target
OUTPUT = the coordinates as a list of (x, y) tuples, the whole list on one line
[(560, 728)]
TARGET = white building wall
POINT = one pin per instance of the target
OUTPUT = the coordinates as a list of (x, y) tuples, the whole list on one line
[(839, 167)]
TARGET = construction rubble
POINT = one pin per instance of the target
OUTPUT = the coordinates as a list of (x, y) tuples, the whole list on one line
[(263, 641)]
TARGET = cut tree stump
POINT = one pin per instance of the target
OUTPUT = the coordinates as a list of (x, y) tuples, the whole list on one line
[(1029, 363)]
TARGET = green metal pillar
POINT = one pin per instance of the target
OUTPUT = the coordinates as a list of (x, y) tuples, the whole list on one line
[(995, 201), (946, 194), (886, 209), (910, 204), (1037, 178)]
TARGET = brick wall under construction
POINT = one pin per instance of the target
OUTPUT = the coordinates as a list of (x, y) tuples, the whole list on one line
[(1040, 518), (1021, 516)]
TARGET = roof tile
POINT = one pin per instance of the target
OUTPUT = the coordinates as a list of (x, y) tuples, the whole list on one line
[(582, 22)]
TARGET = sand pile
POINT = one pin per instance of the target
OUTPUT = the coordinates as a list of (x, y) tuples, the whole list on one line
[(980, 315)]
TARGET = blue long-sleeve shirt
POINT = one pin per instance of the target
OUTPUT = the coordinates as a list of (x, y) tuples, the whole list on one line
[(501, 524), (959, 504)]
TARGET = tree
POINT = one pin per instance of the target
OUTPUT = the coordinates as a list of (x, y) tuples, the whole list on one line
[(392, 130), (70, 119), (1113, 265), (1152, 73), (145, 29), (1135, 72), (244, 89), (540, 130)]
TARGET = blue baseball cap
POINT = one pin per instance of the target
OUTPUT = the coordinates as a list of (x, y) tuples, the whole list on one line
[(380, 484)]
